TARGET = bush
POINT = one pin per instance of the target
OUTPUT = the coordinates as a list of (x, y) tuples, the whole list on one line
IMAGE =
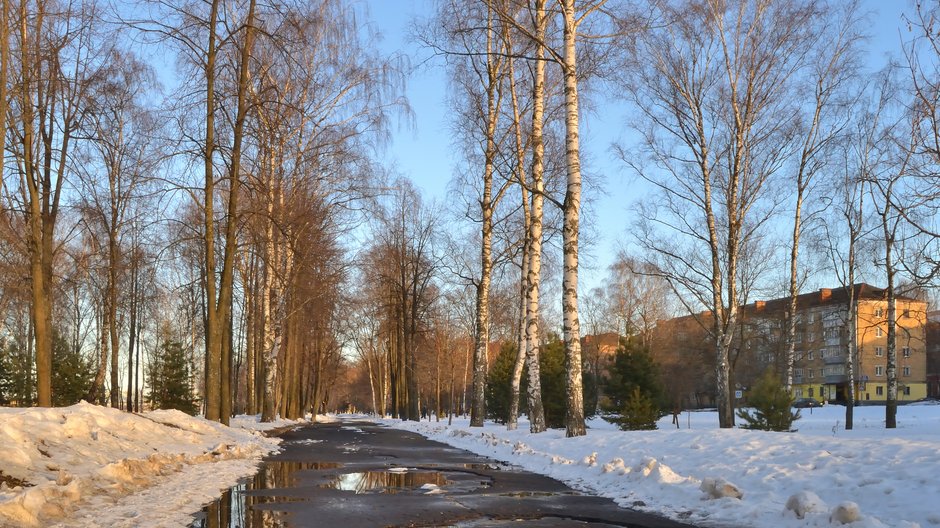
[(553, 378), (633, 368), (772, 406), (639, 413), (170, 379)]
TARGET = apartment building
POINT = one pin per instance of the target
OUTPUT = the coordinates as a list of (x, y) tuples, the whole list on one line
[(822, 343)]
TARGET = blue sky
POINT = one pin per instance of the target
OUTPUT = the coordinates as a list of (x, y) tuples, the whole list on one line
[(423, 154)]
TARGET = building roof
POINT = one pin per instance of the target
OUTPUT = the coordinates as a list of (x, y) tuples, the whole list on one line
[(823, 297)]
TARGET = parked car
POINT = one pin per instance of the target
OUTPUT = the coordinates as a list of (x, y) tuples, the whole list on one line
[(804, 403)]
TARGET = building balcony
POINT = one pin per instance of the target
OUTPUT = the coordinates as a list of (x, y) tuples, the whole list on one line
[(834, 360), (837, 378)]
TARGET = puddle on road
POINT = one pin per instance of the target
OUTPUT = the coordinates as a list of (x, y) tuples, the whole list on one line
[(386, 481), (233, 509), (541, 522), (484, 467)]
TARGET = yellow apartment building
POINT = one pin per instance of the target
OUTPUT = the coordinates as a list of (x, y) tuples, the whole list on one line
[(685, 353), (822, 343)]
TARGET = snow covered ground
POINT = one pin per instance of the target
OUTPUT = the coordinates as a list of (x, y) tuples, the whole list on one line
[(893, 477), (93, 466)]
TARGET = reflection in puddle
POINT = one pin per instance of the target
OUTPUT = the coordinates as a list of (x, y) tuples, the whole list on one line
[(483, 467), (234, 508), (386, 481), (540, 522)]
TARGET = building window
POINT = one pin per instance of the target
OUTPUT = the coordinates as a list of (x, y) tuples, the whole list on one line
[(879, 332), (906, 313), (809, 373), (809, 355), (822, 353), (798, 372), (906, 371), (799, 393), (799, 337), (879, 312), (879, 351), (810, 392), (907, 390), (879, 391), (879, 371), (906, 351)]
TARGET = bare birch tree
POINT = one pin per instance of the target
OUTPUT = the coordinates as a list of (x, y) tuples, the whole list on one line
[(714, 83), (830, 70), (57, 51)]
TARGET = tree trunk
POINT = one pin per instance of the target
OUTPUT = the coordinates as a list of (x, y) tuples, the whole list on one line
[(574, 404), (532, 315), (513, 422), (213, 360), (891, 369), (111, 309), (481, 338), (131, 333)]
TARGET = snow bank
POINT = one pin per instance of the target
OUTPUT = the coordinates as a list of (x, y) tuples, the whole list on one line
[(820, 476), (87, 465)]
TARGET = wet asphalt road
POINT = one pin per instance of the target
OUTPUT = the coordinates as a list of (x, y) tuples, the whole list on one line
[(358, 474)]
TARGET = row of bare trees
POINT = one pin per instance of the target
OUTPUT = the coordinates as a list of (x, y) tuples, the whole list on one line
[(217, 208), (755, 111)]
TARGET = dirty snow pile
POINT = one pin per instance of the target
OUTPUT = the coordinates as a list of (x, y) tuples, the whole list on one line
[(87, 465), (821, 475)]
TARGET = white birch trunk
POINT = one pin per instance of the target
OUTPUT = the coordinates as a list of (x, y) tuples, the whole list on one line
[(574, 416), (480, 363), (512, 422), (534, 392), (269, 337)]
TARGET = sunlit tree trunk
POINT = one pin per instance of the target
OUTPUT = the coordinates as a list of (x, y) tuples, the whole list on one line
[(574, 404), (534, 279)]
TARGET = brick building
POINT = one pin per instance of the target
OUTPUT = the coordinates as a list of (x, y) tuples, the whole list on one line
[(821, 343)]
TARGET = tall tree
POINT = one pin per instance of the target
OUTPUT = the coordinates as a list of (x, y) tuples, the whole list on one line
[(120, 128), (830, 70), (714, 81), (58, 52)]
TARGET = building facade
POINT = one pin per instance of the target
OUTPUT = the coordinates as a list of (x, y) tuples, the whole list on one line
[(822, 343)]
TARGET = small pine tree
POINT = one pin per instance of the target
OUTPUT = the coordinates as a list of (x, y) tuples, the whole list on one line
[(498, 385), (170, 375), (552, 376), (73, 373), (633, 367), (15, 374), (639, 413), (772, 406)]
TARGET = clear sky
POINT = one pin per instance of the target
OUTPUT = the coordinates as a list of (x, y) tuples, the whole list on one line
[(424, 153)]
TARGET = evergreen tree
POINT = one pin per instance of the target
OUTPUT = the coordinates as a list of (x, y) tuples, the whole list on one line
[(639, 412), (15, 388), (73, 373), (170, 375), (552, 375), (498, 384), (771, 404), (633, 368)]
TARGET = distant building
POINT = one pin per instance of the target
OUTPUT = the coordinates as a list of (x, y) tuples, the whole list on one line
[(821, 343), (933, 354), (598, 350)]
